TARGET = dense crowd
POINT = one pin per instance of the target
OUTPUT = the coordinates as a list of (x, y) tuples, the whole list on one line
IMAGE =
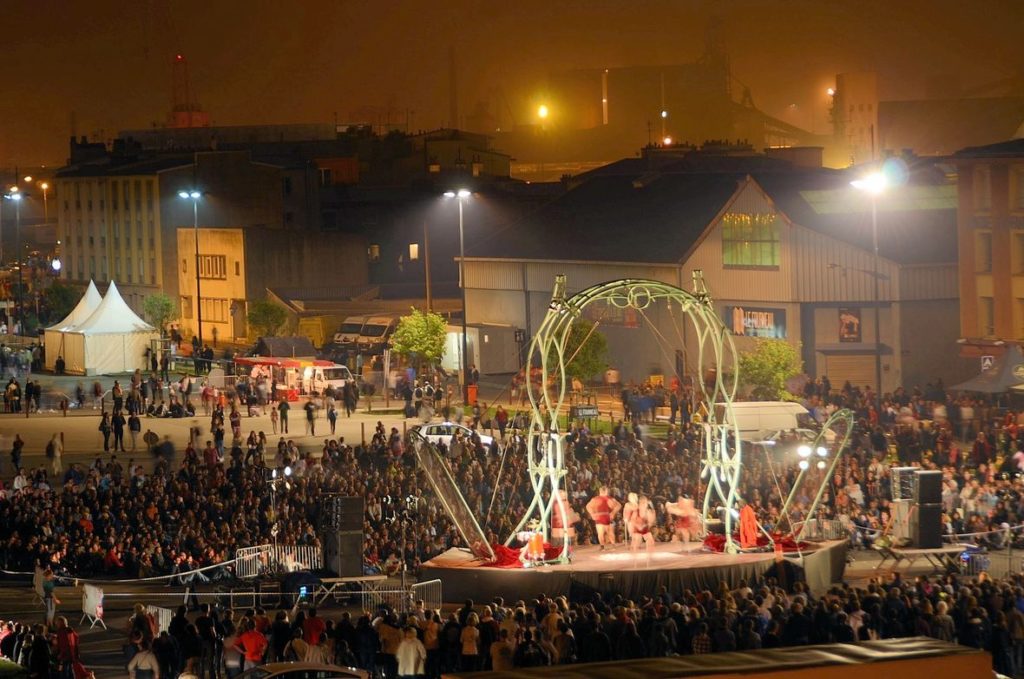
[(115, 518)]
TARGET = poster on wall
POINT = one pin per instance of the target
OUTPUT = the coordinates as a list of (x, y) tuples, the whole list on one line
[(849, 325), (756, 322)]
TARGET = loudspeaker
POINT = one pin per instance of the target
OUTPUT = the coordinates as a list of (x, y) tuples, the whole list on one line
[(929, 487), (343, 553), (341, 513), (904, 483), (928, 533), (902, 525)]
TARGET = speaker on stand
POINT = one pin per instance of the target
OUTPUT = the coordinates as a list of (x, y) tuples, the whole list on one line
[(928, 527), (341, 530)]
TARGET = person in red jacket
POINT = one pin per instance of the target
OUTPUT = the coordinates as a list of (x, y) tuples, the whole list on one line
[(313, 628), (252, 645)]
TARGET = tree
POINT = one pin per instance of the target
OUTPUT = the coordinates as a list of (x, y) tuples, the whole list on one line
[(60, 299), (586, 351), (767, 368), (420, 336), (159, 309), (265, 317)]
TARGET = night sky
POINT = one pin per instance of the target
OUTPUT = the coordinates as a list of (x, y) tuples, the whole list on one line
[(277, 62)]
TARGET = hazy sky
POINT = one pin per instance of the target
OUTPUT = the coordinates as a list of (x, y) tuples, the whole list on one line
[(262, 61)]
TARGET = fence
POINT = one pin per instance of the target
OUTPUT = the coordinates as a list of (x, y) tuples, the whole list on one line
[(401, 600), (823, 529), (162, 616), (251, 562)]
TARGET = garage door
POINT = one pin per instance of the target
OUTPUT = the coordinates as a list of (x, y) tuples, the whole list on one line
[(859, 369)]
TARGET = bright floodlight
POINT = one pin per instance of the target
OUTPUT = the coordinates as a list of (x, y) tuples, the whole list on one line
[(15, 196), (182, 194), (821, 464), (44, 186), (28, 178), (664, 114), (804, 464), (463, 193), (449, 194), (874, 183), (831, 91), (667, 141), (822, 451), (804, 451), (55, 264), (542, 111), (287, 471), (273, 474), (194, 195)]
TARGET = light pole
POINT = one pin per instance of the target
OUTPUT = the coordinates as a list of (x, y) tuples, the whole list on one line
[(45, 187), (16, 197), (275, 478), (462, 195), (194, 196), (874, 184)]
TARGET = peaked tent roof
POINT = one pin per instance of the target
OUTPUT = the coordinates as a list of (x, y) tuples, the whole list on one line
[(113, 316), (1007, 373), (85, 308)]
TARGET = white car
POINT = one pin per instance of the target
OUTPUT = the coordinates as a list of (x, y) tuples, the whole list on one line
[(442, 433), (807, 436), (302, 670)]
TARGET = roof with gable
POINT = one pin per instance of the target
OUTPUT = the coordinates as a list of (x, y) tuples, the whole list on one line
[(85, 308), (628, 212), (113, 316)]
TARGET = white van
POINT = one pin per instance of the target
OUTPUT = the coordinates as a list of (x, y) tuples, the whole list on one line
[(757, 419), (348, 333), (376, 333), (316, 378)]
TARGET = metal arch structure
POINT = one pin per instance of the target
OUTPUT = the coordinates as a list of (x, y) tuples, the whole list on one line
[(722, 462)]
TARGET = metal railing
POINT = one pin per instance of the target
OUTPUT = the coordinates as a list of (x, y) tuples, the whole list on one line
[(162, 616), (823, 529), (430, 592), (401, 600), (251, 562)]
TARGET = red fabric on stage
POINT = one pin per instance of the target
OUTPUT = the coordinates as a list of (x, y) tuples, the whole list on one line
[(716, 543), (508, 557)]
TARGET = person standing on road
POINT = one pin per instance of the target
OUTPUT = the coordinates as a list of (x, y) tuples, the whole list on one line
[(105, 430), (332, 417), (310, 409), (282, 410), (134, 427), (50, 600), (117, 422), (54, 451)]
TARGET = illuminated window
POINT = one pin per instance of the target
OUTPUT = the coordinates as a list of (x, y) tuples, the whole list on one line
[(373, 252), (983, 252), (750, 240), (1017, 253), (1017, 186), (214, 310), (186, 307)]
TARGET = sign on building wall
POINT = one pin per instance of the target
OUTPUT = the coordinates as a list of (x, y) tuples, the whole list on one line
[(755, 322), (602, 312), (849, 325)]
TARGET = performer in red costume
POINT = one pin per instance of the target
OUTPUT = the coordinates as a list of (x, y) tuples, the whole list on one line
[(563, 519), (686, 520), (602, 509), (643, 521)]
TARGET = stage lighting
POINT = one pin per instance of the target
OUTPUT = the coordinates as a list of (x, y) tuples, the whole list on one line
[(287, 471), (822, 451), (821, 464), (804, 451), (804, 465)]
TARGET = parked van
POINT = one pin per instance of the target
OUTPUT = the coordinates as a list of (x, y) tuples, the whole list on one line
[(376, 333), (757, 419), (348, 333)]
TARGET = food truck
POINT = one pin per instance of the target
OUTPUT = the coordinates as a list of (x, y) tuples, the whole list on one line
[(295, 377)]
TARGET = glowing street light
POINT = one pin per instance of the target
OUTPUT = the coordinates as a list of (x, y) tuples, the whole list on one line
[(542, 111), (664, 113), (874, 183), (463, 195), (667, 141), (194, 196), (831, 92)]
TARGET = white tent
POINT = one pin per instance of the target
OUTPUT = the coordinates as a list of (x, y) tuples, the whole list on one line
[(112, 340), (54, 338)]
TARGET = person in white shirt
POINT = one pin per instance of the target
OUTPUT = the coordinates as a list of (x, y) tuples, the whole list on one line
[(144, 664), (20, 481), (411, 655)]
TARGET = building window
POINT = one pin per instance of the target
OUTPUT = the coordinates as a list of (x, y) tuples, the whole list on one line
[(213, 266), (184, 265), (750, 240), (142, 269), (113, 195), (982, 188), (186, 307), (128, 269), (986, 317), (1018, 188), (983, 252), (238, 268), (152, 270), (117, 267), (214, 310), (1017, 254), (81, 267), (373, 252), (92, 267)]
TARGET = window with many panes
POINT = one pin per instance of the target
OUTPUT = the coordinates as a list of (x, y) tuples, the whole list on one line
[(213, 266), (750, 240)]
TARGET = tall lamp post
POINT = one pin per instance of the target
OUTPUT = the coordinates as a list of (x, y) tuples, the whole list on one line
[(874, 185), (277, 477), (462, 195), (194, 196), (16, 197)]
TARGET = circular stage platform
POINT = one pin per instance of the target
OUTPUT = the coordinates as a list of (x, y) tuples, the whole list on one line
[(617, 570)]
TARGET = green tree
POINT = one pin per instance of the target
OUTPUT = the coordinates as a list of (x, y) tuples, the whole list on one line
[(60, 299), (266, 318), (159, 309), (586, 349), (420, 337), (768, 366)]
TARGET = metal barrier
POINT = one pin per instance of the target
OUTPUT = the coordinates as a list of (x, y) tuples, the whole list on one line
[(974, 563), (823, 529), (163, 617), (402, 600), (429, 592), (251, 562)]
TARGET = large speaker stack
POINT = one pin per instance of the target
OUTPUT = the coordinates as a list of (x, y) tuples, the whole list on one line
[(904, 492), (928, 527), (341, 528)]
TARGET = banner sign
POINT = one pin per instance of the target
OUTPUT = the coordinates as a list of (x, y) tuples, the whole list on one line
[(756, 322), (849, 325)]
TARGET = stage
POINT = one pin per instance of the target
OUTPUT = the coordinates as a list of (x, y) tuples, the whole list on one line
[(673, 565)]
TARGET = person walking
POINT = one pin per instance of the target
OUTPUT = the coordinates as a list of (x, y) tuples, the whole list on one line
[(332, 417), (50, 600), (134, 427), (310, 409), (105, 429), (411, 655), (274, 416), (282, 411), (54, 451), (117, 422)]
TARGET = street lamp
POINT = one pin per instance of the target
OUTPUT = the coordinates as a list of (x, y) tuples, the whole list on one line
[(874, 185), (194, 196), (16, 197), (462, 195), (45, 186), (276, 478)]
